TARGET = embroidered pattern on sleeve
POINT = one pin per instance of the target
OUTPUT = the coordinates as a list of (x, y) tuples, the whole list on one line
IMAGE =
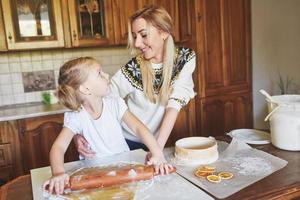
[(184, 55), (182, 102)]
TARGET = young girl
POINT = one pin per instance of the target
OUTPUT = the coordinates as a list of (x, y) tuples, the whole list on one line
[(82, 88)]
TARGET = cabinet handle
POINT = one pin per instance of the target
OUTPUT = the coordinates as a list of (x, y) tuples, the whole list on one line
[(74, 35), (22, 133), (9, 37), (199, 16)]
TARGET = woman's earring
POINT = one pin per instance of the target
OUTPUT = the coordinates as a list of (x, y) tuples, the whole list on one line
[(89, 92)]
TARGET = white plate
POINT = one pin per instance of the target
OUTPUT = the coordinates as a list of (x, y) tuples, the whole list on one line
[(250, 136)]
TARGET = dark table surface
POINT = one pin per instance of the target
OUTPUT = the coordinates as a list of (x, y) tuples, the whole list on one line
[(282, 184)]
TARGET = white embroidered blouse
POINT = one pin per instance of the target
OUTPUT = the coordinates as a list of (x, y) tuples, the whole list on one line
[(127, 83)]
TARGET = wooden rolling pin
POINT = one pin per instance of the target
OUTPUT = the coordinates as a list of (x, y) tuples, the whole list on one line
[(95, 177)]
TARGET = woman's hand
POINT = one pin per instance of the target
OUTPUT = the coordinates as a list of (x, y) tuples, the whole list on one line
[(57, 183), (160, 164), (83, 146), (148, 157)]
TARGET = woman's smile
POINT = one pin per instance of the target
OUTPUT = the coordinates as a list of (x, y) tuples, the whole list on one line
[(148, 39)]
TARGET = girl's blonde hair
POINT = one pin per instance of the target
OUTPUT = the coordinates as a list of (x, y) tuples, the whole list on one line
[(71, 75), (160, 19)]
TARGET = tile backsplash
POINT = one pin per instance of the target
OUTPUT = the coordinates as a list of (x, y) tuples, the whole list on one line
[(14, 66)]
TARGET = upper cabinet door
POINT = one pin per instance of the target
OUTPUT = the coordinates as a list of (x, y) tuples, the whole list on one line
[(226, 46), (237, 35), (91, 22), (186, 24), (33, 24), (122, 11), (172, 8)]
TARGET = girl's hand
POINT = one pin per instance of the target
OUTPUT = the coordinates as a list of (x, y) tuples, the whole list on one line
[(160, 164), (57, 183), (82, 146)]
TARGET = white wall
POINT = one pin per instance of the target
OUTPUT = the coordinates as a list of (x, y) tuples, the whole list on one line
[(275, 50)]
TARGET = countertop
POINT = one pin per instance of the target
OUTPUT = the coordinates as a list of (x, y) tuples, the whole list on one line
[(28, 110)]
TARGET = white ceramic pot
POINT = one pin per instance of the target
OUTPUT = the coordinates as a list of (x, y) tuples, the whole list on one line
[(285, 121)]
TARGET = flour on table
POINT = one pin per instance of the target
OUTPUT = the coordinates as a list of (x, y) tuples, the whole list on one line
[(112, 173), (132, 173), (250, 165)]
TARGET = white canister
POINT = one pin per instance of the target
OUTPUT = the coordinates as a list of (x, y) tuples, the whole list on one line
[(285, 122)]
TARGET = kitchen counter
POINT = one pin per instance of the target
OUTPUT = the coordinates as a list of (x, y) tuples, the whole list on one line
[(28, 110), (283, 184)]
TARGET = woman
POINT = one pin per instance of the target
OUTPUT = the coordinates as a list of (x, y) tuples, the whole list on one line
[(157, 82)]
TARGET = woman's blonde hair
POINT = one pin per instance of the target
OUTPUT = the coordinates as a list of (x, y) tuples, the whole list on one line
[(71, 75), (160, 19)]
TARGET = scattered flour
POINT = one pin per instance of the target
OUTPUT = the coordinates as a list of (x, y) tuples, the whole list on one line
[(250, 166), (78, 178), (132, 173), (112, 173)]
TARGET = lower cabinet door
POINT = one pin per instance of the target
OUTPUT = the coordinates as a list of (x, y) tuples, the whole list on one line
[(6, 174), (220, 114), (37, 136), (6, 169), (5, 154)]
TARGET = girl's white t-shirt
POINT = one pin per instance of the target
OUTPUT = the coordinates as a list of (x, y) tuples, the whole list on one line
[(105, 134)]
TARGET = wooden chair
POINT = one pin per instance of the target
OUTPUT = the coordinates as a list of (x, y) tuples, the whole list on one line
[(19, 188)]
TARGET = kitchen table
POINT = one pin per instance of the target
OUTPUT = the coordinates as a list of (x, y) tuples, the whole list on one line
[(283, 184)]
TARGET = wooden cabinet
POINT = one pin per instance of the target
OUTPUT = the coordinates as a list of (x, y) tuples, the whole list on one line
[(221, 114), (37, 136), (25, 144), (186, 24), (57, 23), (224, 79), (33, 24), (91, 22), (10, 160), (122, 11), (219, 32), (226, 48), (77, 23)]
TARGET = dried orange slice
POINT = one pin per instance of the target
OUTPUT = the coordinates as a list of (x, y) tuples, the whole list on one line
[(225, 175), (201, 174), (207, 168), (214, 178)]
